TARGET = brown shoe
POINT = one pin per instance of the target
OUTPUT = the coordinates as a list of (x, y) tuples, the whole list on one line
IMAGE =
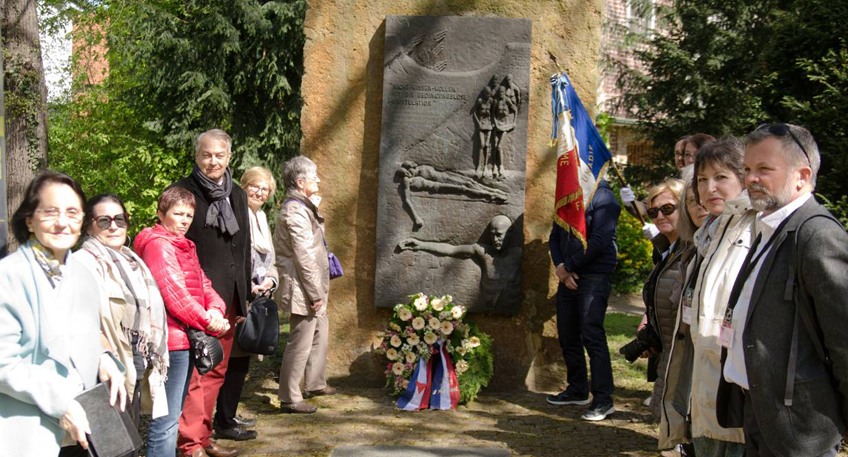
[(214, 450), (298, 408), (317, 393), (199, 452)]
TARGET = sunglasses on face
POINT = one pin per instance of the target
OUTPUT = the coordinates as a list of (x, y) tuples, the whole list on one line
[(780, 129), (666, 209), (104, 222)]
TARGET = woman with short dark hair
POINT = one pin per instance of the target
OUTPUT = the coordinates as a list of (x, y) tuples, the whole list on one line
[(190, 301), (50, 343)]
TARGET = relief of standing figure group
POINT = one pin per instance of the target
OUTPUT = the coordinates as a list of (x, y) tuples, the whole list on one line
[(496, 109)]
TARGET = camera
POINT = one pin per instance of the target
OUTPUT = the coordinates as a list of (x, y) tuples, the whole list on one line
[(646, 339)]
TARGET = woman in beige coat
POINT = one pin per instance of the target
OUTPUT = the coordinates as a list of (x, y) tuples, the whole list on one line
[(304, 272), (722, 244)]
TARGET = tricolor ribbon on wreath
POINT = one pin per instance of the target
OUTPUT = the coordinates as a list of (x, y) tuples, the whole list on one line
[(582, 157), (433, 385)]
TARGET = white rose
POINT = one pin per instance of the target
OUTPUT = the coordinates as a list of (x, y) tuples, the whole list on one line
[(397, 368), (447, 328), (405, 314), (411, 357), (418, 323), (434, 323), (396, 342), (456, 312), (413, 340), (420, 303), (474, 341), (392, 354), (438, 304), (461, 366), (461, 350), (430, 338)]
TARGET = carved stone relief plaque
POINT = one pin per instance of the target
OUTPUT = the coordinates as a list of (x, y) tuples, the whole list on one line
[(452, 160)]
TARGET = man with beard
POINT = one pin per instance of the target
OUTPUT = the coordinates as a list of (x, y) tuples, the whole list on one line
[(785, 355), (221, 232)]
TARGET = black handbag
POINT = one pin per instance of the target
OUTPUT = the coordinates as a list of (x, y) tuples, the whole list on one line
[(205, 349), (259, 333)]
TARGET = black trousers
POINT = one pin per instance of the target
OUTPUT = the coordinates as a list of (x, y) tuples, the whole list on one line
[(580, 324), (230, 393)]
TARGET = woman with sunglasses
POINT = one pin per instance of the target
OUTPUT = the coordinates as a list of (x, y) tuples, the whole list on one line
[(132, 313), (722, 243), (662, 289), (50, 344)]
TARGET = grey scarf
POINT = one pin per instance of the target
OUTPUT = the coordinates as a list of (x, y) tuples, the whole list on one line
[(220, 214)]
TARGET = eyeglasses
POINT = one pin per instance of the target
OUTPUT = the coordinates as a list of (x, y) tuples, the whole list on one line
[(311, 178), (780, 129), (259, 190), (666, 209), (104, 222), (51, 214)]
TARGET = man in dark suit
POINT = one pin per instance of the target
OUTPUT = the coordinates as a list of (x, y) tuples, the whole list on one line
[(585, 282), (785, 356), (221, 232)]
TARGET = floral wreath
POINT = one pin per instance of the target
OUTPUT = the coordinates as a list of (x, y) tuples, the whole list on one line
[(417, 326)]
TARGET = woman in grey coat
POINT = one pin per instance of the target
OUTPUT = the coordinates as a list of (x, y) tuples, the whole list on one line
[(304, 286)]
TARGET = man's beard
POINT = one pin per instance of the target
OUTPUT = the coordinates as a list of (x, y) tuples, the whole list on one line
[(770, 201)]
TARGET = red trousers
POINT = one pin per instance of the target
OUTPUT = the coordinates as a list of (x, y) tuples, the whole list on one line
[(196, 419)]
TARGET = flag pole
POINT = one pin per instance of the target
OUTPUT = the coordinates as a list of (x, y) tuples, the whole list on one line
[(624, 184)]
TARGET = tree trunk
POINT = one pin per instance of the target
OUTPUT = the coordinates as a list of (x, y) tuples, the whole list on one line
[(25, 99)]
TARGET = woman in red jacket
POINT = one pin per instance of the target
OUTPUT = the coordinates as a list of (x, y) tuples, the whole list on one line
[(189, 300)]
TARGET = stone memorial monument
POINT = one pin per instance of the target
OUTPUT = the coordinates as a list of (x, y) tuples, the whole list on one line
[(452, 160)]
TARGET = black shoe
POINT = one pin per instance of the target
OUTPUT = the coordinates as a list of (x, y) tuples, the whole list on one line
[(244, 422), (565, 398), (235, 433), (598, 412)]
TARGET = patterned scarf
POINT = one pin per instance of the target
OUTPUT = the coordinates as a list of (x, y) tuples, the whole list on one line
[(52, 268), (220, 214), (144, 312)]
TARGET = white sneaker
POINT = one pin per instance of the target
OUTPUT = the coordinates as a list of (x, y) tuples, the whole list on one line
[(598, 413)]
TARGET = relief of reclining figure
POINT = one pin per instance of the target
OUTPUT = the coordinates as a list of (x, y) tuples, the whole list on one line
[(424, 178)]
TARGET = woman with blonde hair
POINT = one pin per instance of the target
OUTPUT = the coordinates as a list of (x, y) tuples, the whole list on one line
[(260, 186)]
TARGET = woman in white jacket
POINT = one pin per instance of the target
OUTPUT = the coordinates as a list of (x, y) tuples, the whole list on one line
[(722, 243)]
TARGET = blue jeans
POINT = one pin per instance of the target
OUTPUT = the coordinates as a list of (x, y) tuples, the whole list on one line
[(162, 436), (580, 324)]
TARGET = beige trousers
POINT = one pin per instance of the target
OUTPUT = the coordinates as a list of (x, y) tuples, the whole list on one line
[(306, 351)]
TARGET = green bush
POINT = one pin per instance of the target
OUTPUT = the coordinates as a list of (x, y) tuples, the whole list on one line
[(634, 251), (839, 208)]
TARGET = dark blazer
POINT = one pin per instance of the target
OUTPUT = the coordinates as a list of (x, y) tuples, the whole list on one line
[(601, 254), (225, 259), (815, 420)]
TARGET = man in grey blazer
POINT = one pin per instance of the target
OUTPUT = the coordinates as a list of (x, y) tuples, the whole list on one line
[(785, 354)]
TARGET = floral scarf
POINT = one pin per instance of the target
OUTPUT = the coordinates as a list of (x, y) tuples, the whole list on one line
[(52, 268)]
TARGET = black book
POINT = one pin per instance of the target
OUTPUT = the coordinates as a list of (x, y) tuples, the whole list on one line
[(113, 433)]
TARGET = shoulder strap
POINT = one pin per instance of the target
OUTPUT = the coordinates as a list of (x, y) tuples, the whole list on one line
[(803, 308)]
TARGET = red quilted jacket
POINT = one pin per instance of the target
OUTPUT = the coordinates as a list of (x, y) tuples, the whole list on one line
[(187, 291)]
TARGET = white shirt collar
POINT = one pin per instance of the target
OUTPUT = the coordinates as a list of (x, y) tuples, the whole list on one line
[(768, 224)]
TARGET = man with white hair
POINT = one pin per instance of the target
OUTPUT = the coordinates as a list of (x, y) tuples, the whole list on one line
[(785, 355), (221, 232)]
